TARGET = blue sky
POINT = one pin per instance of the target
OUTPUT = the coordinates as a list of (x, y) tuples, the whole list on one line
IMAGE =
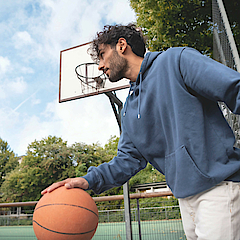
[(32, 34)]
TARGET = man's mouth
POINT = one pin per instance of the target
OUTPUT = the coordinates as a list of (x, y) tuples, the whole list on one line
[(105, 71)]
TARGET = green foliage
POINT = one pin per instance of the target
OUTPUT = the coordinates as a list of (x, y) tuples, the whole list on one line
[(172, 23), (86, 155), (159, 208), (147, 175), (8, 160), (50, 160), (81, 169), (175, 23), (112, 146), (104, 155), (46, 162)]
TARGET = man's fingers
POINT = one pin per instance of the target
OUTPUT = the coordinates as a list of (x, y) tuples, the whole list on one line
[(44, 191), (54, 186), (68, 183), (77, 183)]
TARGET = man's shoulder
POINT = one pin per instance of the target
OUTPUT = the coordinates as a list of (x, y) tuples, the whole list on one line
[(176, 52), (179, 49), (172, 52)]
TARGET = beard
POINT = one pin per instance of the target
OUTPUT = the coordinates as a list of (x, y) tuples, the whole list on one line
[(118, 67)]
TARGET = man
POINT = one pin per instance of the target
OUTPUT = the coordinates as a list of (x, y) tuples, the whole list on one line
[(171, 119)]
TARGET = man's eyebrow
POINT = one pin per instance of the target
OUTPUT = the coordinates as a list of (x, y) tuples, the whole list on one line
[(100, 49), (99, 52)]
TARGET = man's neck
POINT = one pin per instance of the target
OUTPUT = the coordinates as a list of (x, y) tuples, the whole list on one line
[(135, 63)]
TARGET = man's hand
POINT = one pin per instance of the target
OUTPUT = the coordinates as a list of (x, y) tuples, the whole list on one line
[(68, 183)]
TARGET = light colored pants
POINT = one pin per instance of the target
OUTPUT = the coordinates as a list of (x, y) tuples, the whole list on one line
[(213, 214)]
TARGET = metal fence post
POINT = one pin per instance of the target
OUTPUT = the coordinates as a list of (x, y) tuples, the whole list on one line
[(139, 220), (127, 208)]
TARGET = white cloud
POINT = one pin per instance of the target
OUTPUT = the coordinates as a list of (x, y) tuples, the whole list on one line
[(4, 65), (33, 128), (25, 70), (17, 86), (69, 24), (8, 125), (2, 93), (22, 39), (120, 12), (85, 120), (35, 101), (28, 49), (76, 22), (9, 88)]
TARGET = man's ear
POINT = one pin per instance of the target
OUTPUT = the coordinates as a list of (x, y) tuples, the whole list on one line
[(121, 45)]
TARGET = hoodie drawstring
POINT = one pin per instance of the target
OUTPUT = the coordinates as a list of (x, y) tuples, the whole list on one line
[(139, 97), (126, 103)]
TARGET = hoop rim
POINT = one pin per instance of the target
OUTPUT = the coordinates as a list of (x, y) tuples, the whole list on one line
[(92, 63)]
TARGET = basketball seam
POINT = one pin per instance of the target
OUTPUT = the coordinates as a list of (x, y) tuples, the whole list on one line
[(62, 232), (71, 205)]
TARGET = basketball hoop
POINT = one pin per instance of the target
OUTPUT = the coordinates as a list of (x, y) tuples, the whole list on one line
[(90, 76), (79, 76)]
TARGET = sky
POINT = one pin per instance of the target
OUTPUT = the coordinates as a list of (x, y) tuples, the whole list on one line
[(32, 34)]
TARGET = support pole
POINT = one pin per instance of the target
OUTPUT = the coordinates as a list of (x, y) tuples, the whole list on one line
[(117, 111), (229, 34), (127, 211), (139, 220)]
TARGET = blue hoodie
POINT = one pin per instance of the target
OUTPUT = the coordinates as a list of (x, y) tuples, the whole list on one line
[(172, 120)]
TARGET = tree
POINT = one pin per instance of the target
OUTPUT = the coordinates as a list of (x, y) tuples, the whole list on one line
[(147, 175), (86, 155), (8, 160), (93, 155), (50, 160), (175, 23), (46, 162), (172, 23), (112, 145)]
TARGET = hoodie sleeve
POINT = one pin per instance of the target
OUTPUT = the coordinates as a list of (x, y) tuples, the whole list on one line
[(210, 78), (119, 170)]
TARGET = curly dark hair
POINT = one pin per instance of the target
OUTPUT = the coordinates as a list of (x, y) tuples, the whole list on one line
[(111, 34)]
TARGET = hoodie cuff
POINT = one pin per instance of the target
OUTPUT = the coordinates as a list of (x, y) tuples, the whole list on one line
[(91, 178)]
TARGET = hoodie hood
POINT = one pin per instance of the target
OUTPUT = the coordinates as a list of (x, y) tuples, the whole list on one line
[(146, 64), (136, 87)]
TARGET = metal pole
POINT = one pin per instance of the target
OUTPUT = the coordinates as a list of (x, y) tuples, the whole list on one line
[(117, 111), (229, 34), (127, 209), (139, 220)]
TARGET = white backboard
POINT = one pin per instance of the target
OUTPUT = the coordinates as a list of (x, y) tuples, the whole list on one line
[(70, 87)]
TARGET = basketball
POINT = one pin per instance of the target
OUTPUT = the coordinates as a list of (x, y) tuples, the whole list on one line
[(65, 214)]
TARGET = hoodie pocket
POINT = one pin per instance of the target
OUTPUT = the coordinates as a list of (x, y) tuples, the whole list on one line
[(183, 175)]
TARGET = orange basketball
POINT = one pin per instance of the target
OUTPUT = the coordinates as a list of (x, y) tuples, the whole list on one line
[(65, 214)]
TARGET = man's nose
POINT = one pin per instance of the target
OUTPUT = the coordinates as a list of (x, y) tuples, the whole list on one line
[(101, 66)]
